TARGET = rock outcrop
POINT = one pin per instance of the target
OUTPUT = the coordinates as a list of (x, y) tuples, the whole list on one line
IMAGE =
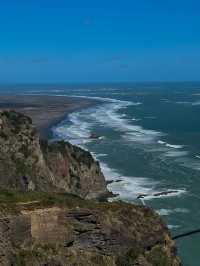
[(26, 163), (78, 233)]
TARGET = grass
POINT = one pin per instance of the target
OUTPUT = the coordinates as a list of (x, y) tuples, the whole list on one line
[(12, 199)]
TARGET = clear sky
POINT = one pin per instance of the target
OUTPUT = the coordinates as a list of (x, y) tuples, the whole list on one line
[(99, 40)]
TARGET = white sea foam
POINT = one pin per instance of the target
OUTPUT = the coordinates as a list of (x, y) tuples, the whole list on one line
[(166, 212), (102, 155), (182, 210), (176, 153), (136, 103), (174, 146), (170, 145), (161, 142), (57, 90), (171, 226), (77, 132), (108, 115), (196, 103), (78, 128), (142, 136), (173, 152), (128, 188), (135, 119)]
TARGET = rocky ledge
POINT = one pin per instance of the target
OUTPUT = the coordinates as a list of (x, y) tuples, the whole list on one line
[(38, 229)]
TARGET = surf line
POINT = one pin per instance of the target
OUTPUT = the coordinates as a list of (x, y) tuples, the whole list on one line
[(186, 234)]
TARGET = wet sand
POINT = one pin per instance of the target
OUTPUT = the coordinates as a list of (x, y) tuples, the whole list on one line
[(45, 111)]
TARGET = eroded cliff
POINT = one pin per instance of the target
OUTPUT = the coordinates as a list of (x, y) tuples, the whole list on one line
[(26, 163), (67, 231)]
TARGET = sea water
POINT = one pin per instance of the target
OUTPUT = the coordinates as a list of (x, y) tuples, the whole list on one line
[(149, 143)]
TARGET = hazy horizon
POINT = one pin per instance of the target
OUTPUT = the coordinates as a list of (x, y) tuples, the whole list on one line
[(98, 82)]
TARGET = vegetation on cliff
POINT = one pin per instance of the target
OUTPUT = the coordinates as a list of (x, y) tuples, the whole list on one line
[(38, 228)]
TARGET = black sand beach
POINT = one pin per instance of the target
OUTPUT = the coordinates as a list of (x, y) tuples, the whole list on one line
[(45, 111)]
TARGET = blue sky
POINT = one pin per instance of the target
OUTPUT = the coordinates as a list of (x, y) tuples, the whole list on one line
[(99, 41)]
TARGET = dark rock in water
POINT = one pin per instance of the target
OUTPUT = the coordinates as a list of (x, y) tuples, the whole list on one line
[(108, 182), (142, 196), (118, 180), (165, 193), (94, 136)]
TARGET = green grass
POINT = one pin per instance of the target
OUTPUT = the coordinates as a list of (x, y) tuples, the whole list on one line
[(12, 199)]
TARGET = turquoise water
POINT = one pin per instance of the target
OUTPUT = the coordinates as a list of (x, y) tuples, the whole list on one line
[(150, 143)]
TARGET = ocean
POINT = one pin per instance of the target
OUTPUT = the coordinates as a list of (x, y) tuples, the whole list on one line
[(149, 142)]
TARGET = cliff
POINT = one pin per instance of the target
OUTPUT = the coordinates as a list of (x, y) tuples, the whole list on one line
[(48, 215), (26, 163), (41, 229)]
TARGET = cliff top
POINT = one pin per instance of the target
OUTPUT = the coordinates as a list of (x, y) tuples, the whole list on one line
[(91, 233)]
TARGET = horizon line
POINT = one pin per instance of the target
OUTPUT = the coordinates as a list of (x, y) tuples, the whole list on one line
[(93, 82)]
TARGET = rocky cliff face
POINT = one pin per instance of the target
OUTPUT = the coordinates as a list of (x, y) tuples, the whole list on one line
[(75, 170), (26, 164), (79, 233)]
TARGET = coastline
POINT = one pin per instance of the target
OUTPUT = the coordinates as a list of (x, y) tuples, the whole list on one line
[(41, 109), (45, 111)]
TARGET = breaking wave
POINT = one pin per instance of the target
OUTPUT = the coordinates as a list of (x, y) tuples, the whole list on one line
[(166, 212), (78, 127)]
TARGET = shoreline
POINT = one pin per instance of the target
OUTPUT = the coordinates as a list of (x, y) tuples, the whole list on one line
[(45, 111)]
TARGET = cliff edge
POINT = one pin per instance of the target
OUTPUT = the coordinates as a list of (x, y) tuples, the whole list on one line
[(38, 229), (26, 163)]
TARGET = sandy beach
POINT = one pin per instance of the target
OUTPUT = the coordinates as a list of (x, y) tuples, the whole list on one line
[(45, 111)]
